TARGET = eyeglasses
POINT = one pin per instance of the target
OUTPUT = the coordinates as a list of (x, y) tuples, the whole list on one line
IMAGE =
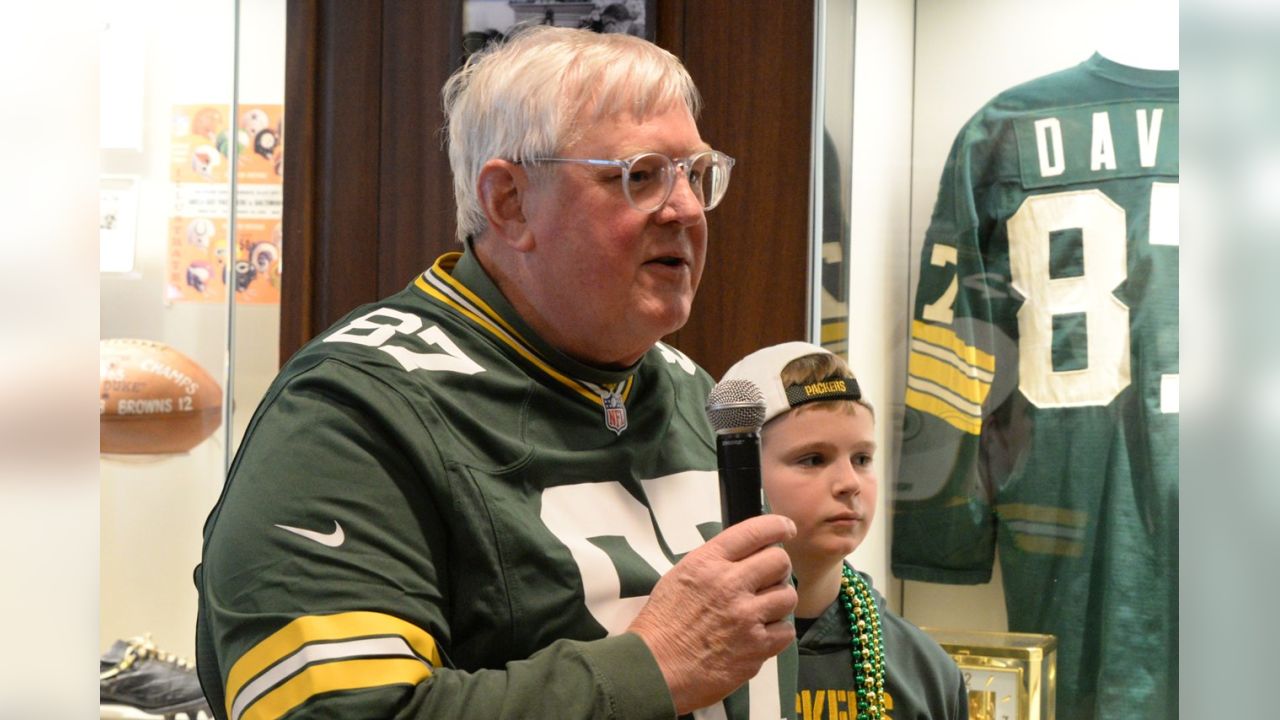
[(648, 178)]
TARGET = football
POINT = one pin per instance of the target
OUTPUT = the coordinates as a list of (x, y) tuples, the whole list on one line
[(153, 400)]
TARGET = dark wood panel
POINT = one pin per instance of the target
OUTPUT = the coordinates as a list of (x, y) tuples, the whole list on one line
[(753, 64), (297, 289), (349, 151), (422, 45), (333, 83), (670, 29)]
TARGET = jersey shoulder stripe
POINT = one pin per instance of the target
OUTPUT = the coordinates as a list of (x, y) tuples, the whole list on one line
[(947, 377), (325, 653)]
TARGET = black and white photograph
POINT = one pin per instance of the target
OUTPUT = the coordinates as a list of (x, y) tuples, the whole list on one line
[(487, 20)]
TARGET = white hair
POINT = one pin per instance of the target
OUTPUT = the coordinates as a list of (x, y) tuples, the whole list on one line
[(533, 94)]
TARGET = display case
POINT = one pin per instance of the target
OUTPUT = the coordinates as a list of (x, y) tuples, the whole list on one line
[(919, 72), (191, 194)]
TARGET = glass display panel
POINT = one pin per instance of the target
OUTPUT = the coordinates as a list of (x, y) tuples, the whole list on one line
[(191, 156)]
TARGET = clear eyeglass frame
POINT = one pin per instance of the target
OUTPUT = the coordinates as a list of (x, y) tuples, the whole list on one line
[(709, 184)]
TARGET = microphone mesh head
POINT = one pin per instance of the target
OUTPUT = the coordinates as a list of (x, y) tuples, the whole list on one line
[(735, 405)]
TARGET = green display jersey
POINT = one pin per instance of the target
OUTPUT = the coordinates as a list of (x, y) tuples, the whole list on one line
[(1042, 388), (922, 682), (435, 514)]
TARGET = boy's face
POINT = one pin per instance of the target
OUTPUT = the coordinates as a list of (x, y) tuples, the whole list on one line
[(818, 471)]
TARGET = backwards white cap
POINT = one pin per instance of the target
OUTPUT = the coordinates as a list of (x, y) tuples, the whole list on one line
[(764, 367)]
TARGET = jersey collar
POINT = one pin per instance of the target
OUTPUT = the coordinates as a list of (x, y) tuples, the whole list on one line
[(458, 282), (1135, 76)]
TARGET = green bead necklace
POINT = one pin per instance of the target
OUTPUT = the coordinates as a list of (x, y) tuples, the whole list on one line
[(866, 646)]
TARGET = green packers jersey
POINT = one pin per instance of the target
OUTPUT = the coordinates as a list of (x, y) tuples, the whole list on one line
[(1042, 379), (922, 682), (435, 514)]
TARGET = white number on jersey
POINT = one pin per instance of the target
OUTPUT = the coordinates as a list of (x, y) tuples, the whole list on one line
[(943, 310), (680, 502), (364, 331), (1102, 224), (577, 513), (675, 357)]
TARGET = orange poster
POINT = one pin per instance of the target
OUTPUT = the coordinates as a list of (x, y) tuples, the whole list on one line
[(199, 141), (199, 267), (260, 130), (201, 144)]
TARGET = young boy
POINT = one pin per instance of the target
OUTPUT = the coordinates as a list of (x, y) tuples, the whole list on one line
[(817, 452)]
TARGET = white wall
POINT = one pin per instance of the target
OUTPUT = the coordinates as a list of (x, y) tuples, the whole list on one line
[(879, 215)]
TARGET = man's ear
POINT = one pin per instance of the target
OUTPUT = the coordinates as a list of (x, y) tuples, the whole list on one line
[(502, 188)]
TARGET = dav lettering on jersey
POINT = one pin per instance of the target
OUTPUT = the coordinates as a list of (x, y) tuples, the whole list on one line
[(1088, 144)]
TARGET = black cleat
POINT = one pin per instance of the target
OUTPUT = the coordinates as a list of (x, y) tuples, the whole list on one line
[(134, 673)]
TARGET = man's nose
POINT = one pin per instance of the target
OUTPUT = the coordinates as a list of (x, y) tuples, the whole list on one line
[(683, 204)]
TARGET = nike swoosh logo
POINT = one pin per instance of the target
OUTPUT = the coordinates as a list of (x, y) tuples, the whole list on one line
[(331, 539)]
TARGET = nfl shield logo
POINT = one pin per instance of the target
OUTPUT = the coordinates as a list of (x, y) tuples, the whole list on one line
[(615, 413)]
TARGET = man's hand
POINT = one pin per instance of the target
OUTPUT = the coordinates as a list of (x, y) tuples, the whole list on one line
[(714, 618)]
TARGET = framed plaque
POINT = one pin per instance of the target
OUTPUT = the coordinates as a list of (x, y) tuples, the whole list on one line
[(1010, 676)]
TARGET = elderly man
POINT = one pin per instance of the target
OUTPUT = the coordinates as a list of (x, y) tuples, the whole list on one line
[(492, 494)]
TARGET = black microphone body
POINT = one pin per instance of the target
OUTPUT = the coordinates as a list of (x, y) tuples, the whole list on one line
[(736, 410), (738, 457)]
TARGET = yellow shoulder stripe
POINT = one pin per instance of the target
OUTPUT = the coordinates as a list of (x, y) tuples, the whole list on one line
[(1044, 529), (1048, 546), (330, 677), (324, 640), (947, 376), (1042, 513), (947, 412), (942, 337)]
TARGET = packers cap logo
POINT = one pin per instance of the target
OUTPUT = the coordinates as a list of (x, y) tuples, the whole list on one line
[(838, 388)]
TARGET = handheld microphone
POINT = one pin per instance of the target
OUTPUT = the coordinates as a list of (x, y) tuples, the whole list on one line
[(736, 410)]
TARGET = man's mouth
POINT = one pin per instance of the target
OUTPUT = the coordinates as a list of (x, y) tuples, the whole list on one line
[(671, 261)]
